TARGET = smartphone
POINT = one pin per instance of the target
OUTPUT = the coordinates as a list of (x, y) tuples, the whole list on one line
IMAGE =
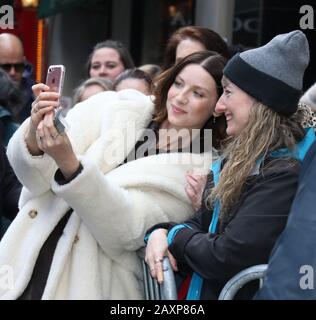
[(55, 81), (55, 78)]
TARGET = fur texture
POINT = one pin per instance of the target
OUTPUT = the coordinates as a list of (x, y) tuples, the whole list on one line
[(309, 97), (113, 206)]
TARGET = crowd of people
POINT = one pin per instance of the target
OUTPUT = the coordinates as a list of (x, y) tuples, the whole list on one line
[(198, 159)]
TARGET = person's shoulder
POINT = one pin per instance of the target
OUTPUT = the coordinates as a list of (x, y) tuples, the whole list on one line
[(281, 166)]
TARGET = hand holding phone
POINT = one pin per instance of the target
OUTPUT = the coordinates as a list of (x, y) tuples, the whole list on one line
[(55, 81)]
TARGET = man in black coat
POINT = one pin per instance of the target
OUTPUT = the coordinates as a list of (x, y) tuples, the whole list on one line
[(9, 192), (14, 63)]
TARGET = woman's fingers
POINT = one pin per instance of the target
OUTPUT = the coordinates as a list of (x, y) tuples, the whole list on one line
[(38, 88), (40, 135), (194, 188), (44, 98), (193, 178), (159, 269), (38, 113), (197, 180), (43, 91), (48, 95), (50, 131), (190, 192), (48, 122), (46, 130), (40, 104), (156, 249), (43, 104), (173, 262), (152, 270), (49, 138), (156, 268)]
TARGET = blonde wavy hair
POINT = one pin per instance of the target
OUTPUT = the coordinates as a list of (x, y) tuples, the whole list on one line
[(266, 131)]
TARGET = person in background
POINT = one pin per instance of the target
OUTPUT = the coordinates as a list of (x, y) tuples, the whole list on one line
[(91, 87), (108, 59), (91, 193), (191, 39), (134, 79), (252, 185), (152, 69), (10, 104), (13, 62), (10, 190), (183, 42)]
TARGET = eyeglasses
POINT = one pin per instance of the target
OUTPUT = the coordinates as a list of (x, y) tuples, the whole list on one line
[(18, 67)]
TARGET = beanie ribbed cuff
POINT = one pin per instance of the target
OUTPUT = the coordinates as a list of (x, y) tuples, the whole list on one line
[(268, 90)]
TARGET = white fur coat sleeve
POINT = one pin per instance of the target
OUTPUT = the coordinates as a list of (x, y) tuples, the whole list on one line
[(34, 172), (119, 207)]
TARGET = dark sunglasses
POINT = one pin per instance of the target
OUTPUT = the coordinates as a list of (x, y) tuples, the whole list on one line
[(19, 67)]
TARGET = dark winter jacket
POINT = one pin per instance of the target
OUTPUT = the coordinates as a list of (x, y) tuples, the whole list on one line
[(9, 192), (292, 264), (246, 239)]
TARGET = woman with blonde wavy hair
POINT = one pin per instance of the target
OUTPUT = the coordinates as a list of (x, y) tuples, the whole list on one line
[(251, 187)]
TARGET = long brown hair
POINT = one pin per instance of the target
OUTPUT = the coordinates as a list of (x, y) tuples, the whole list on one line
[(214, 64), (211, 40), (265, 132)]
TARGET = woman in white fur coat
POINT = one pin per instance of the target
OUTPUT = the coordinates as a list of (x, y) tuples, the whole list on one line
[(84, 209)]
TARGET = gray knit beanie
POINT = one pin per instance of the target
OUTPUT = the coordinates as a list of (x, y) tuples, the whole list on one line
[(273, 74)]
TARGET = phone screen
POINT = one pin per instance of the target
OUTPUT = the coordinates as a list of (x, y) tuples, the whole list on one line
[(55, 78)]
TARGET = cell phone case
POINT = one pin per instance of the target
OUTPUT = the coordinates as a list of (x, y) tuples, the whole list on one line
[(55, 78)]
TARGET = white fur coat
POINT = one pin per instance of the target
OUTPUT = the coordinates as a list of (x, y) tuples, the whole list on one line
[(309, 97), (113, 207)]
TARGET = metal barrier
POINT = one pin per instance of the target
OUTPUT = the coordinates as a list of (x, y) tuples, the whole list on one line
[(240, 279), (167, 290)]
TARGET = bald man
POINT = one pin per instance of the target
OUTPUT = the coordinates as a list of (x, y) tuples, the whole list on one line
[(12, 56), (13, 62)]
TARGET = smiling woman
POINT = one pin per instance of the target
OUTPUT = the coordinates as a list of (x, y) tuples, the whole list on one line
[(189, 92), (192, 98), (108, 59), (90, 207), (236, 118), (251, 187)]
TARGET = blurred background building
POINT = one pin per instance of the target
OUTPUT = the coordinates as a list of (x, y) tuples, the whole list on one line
[(65, 31)]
